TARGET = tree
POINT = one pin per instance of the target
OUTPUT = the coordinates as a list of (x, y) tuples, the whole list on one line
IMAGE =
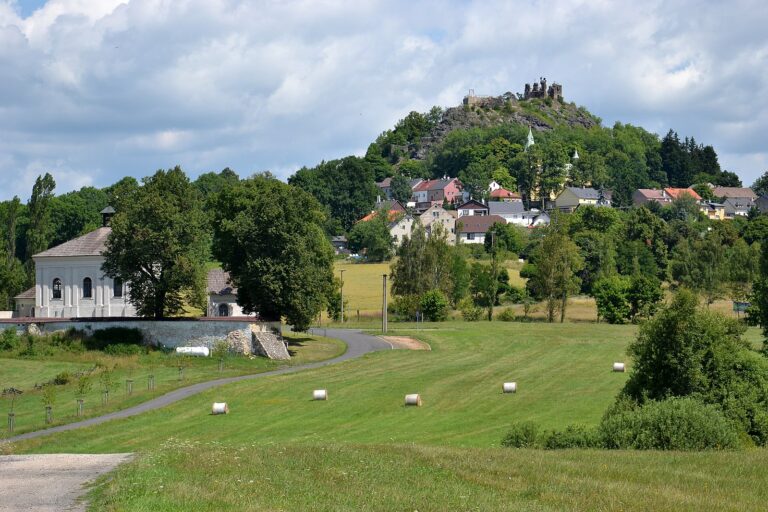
[(40, 228), (611, 298), (372, 237), (557, 261), (742, 268), (760, 186), (756, 230), (424, 264), (644, 295), (401, 188), (269, 237), (434, 306), (684, 351), (158, 244)]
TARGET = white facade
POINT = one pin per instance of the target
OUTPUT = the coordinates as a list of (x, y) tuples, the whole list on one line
[(224, 305), (61, 289), (439, 215), (400, 229)]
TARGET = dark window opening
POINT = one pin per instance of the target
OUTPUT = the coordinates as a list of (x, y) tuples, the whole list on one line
[(87, 288), (223, 310), (117, 287), (57, 288)]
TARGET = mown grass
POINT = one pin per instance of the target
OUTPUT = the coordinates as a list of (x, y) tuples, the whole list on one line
[(29, 409), (563, 374), (347, 477), (363, 450)]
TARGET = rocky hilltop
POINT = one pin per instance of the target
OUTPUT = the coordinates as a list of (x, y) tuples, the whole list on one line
[(541, 111)]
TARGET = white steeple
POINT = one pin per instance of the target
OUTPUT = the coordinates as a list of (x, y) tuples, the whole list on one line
[(529, 142), (575, 154)]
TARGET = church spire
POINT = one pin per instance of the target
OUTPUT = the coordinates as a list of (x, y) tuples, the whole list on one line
[(575, 154), (529, 142)]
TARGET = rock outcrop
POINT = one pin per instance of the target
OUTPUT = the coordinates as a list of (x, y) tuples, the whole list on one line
[(269, 345)]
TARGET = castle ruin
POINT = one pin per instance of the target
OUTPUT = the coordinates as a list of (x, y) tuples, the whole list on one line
[(540, 90)]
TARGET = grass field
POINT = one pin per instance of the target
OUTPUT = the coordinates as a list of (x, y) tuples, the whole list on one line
[(363, 450), (23, 374)]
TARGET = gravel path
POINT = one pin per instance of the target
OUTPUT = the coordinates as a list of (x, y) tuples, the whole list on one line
[(50, 482), (358, 344)]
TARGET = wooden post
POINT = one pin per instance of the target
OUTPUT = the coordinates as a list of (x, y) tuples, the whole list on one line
[(105, 397), (79, 407), (151, 382), (129, 387), (11, 422), (48, 414)]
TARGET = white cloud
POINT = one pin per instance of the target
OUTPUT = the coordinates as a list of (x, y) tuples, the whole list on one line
[(95, 90)]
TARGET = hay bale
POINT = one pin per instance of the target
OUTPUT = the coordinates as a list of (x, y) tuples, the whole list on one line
[(194, 351), (619, 367), (509, 387), (320, 394), (413, 399), (220, 408)]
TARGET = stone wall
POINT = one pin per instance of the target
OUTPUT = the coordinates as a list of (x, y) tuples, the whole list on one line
[(237, 333)]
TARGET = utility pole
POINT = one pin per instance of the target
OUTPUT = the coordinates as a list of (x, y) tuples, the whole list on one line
[(342, 294), (384, 304)]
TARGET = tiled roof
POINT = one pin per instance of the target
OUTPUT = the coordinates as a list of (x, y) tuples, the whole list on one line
[(218, 283), (386, 182), (651, 193), (92, 244), (503, 207), (26, 295), (478, 223), (734, 192), (585, 193), (675, 193), (472, 204), (503, 193)]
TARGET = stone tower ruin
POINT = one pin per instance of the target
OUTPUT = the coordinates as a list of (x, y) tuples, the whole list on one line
[(540, 90)]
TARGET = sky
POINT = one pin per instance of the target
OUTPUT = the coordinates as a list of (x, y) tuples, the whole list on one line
[(94, 90)]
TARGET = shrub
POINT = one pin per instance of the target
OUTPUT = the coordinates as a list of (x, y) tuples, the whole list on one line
[(469, 311), (404, 307), (574, 436), (434, 306), (124, 335), (9, 340), (671, 424), (521, 435), (62, 379), (507, 315), (123, 349)]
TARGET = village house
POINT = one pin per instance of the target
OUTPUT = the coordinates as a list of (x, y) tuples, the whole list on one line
[(222, 296), (431, 192), (734, 192), (438, 215), (502, 194), (471, 229), (571, 198), (340, 244), (385, 186), (472, 208), (400, 227), (664, 196), (513, 212), (738, 206)]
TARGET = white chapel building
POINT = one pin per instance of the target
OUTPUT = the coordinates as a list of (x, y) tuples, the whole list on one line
[(69, 283)]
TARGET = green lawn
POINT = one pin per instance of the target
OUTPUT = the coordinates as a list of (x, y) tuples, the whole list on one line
[(348, 477), (23, 374), (363, 450), (563, 374)]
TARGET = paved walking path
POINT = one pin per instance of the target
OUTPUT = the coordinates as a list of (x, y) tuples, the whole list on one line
[(50, 483), (358, 344)]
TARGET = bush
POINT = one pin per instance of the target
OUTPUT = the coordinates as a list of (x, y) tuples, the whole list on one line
[(123, 349), (469, 311), (574, 436), (671, 424), (9, 340), (434, 306), (123, 335), (62, 379), (507, 315), (521, 435), (404, 307)]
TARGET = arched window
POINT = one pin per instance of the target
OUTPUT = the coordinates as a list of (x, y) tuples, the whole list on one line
[(223, 310), (87, 288), (57, 288), (117, 287)]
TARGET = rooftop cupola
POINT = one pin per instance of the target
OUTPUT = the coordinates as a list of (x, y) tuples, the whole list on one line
[(106, 216)]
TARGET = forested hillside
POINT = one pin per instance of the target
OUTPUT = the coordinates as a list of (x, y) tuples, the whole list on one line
[(478, 144)]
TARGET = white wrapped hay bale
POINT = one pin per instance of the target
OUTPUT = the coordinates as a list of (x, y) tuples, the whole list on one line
[(220, 408), (619, 367), (320, 394), (193, 351), (413, 399), (509, 387)]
